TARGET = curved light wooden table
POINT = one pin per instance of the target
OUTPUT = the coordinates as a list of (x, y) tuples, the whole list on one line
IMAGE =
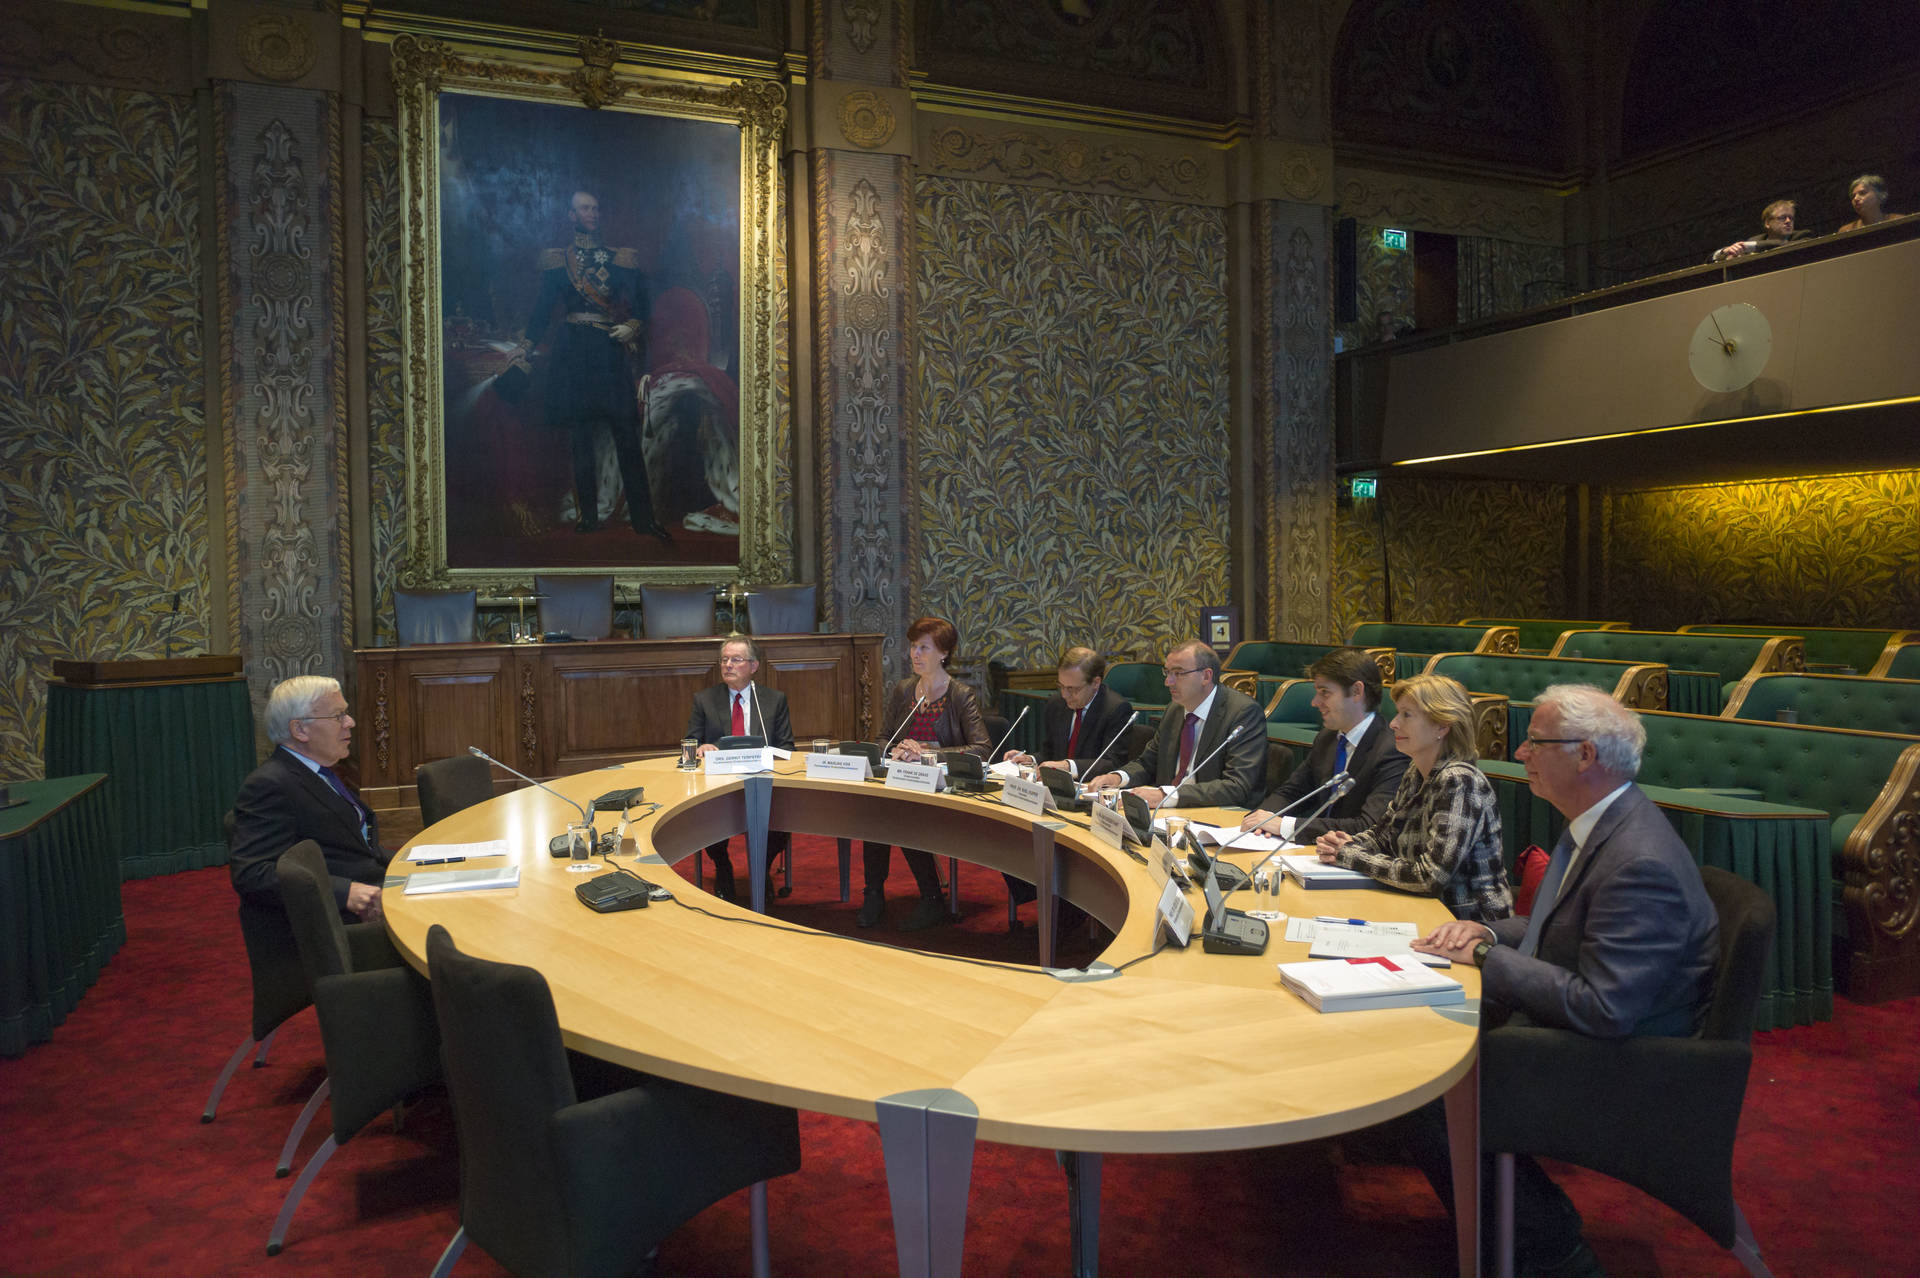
[(1184, 1052)]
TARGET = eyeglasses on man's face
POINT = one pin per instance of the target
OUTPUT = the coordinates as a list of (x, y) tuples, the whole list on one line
[(738, 661), (1174, 672), (340, 718), (1532, 740)]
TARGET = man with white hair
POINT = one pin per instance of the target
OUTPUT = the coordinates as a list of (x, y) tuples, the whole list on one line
[(295, 795), (1621, 940)]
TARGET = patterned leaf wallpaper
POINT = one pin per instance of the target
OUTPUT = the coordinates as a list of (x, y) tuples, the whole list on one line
[(1457, 547), (1840, 550), (1384, 282), (386, 371), (102, 436), (1072, 405)]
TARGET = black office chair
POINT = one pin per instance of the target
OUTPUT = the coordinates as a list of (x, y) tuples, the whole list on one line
[(1279, 766), (1657, 1113), (435, 616), (676, 612), (782, 610), (554, 1183), (376, 1016), (446, 786), (579, 606), (279, 990)]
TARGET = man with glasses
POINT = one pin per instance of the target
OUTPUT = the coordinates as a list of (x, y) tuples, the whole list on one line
[(1622, 940), (733, 708), (1184, 765), (1080, 725), (296, 795)]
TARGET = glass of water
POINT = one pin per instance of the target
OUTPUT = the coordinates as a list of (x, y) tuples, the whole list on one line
[(580, 847), (689, 753)]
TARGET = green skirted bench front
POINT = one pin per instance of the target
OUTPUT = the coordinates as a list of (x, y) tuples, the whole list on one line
[(1521, 679), (1413, 645), (1258, 667), (1830, 701), (1834, 649), (1700, 668), (1539, 634)]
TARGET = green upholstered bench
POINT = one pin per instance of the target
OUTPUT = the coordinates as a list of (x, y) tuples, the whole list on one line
[(1292, 719), (1700, 668), (1257, 667), (1521, 679), (1899, 661), (1836, 649), (1412, 644), (1831, 701), (1539, 634), (1142, 682)]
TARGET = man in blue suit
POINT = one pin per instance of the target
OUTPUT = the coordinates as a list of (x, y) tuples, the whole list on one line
[(1622, 938)]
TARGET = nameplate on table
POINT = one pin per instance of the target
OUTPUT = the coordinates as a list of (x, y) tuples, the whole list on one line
[(838, 767), (1028, 796), (923, 777), (1110, 827), (1160, 862), (729, 763), (1176, 914)]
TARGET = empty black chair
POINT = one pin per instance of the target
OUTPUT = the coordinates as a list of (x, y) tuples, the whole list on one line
[(676, 612), (376, 1016), (435, 616), (446, 786), (279, 990), (551, 1183), (1657, 1113), (579, 606), (781, 610)]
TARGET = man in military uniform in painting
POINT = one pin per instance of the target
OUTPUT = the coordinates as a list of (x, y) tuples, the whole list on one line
[(590, 382)]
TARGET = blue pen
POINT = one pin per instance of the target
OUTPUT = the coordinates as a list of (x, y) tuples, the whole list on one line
[(1325, 918), (442, 860)]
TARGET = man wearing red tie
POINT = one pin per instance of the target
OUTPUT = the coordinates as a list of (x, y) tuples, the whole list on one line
[(733, 708), (1080, 725), (296, 795), (1190, 762)]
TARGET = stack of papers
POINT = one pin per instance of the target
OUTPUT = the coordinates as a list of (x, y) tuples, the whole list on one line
[(1309, 872), (439, 853), (1328, 939), (1355, 985), (504, 876), (1217, 835)]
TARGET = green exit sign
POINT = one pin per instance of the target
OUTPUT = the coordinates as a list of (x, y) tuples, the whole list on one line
[(1396, 240), (1365, 488)]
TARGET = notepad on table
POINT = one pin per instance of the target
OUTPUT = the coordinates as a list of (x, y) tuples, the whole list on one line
[(430, 853), (1309, 871), (502, 876)]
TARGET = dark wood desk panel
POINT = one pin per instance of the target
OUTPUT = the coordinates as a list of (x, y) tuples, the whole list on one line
[(556, 709)]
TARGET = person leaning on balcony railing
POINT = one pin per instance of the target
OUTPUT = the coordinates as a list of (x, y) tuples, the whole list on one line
[(1868, 196), (1776, 222)]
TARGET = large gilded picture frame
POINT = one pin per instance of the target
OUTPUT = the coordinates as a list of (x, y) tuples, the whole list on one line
[(589, 262)]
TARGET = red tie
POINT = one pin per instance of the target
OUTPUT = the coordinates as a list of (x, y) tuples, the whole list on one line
[(1073, 738), (1188, 735), (739, 714)]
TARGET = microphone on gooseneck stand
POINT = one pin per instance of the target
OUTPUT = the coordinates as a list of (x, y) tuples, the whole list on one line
[(995, 752), (902, 728), (1093, 766), (1230, 876), (1341, 783), (1342, 779), (753, 690), (561, 839)]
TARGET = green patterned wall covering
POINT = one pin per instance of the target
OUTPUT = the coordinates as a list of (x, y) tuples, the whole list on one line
[(102, 435), (1072, 423), (386, 407), (1458, 548), (1840, 550)]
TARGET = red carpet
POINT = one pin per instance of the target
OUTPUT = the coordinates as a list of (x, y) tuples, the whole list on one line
[(105, 1167)]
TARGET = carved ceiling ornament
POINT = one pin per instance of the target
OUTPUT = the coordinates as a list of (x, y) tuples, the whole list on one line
[(866, 119), (277, 47), (1023, 155)]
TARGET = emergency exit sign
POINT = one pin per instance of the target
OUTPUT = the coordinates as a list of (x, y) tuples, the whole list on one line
[(1396, 240)]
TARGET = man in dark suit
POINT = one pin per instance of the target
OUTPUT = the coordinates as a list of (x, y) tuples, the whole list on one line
[(735, 707), (1622, 939), (295, 795), (1346, 692), (1179, 767), (1080, 725)]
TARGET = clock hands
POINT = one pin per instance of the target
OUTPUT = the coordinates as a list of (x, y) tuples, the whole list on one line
[(1725, 345)]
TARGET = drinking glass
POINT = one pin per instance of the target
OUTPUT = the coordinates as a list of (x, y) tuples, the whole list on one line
[(689, 753), (821, 745), (580, 838)]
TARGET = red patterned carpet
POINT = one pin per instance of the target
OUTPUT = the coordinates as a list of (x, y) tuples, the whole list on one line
[(105, 1167)]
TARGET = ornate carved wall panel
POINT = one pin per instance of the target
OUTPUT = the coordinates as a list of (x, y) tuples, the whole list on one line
[(1297, 399), (1420, 203), (1072, 371), (102, 438), (861, 305), (283, 388), (1120, 164), (95, 45), (860, 40), (386, 369), (1840, 550)]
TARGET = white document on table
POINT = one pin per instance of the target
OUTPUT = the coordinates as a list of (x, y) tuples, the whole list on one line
[(440, 853)]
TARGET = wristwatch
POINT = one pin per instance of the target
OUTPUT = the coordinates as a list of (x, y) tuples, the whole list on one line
[(1480, 953)]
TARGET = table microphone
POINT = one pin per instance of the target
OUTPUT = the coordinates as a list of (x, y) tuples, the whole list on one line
[(1093, 764), (1346, 783), (1227, 877), (585, 816), (903, 727), (1009, 732)]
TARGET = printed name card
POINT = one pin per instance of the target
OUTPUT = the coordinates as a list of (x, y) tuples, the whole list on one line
[(1110, 827), (1160, 861), (726, 763), (1028, 796), (1176, 914), (923, 777), (838, 767)]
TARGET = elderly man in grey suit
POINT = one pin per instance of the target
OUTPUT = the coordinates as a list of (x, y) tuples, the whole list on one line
[(1621, 939), (1211, 747)]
